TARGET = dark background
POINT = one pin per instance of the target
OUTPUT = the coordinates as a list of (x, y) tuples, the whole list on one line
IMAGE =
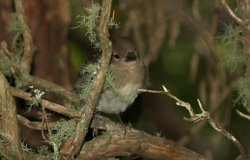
[(186, 45)]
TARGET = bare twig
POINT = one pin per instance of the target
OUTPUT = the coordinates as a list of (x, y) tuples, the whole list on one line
[(46, 104), (204, 115), (243, 115), (178, 101), (229, 136), (72, 147), (231, 13), (10, 145), (34, 125), (28, 41), (46, 122), (47, 86)]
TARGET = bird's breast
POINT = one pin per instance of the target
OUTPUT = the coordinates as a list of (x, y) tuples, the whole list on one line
[(111, 102), (129, 89)]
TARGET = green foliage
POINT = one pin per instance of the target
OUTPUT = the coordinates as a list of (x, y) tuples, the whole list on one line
[(88, 20), (85, 84), (109, 82), (43, 150), (230, 50), (113, 24), (17, 44), (27, 149), (62, 131), (244, 91), (6, 66)]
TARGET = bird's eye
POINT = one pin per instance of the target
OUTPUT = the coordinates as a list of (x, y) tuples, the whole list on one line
[(116, 56)]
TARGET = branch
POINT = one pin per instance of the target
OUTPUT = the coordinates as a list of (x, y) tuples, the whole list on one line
[(231, 13), (72, 147), (147, 146), (28, 41), (243, 115), (11, 68), (34, 125), (10, 146), (124, 141), (114, 142), (47, 86), (204, 115), (66, 111)]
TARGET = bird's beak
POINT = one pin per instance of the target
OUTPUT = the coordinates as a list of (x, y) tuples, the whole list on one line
[(130, 57)]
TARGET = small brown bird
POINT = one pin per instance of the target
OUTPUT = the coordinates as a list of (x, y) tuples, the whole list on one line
[(129, 73)]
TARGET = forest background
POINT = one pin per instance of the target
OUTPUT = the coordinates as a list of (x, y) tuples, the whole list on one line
[(197, 49)]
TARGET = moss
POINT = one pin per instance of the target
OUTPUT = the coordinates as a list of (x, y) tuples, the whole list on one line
[(113, 24), (243, 91), (62, 131), (229, 49), (18, 43), (85, 83), (37, 95), (6, 67), (43, 150), (27, 149), (88, 21)]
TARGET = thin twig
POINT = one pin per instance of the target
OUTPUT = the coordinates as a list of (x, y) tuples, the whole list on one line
[(33, 125), (231, 13), (178, 101), (204, 115), (225, 133), (46, 122), (66, 111), (243, 115), (47, 86), (230, 137)]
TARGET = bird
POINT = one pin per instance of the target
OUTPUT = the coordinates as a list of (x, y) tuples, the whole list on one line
[(129, 74)]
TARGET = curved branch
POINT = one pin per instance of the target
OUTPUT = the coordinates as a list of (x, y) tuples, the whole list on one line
[(72, 146), (204, 115), (123, 141), (231, 13), (143, 145)]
